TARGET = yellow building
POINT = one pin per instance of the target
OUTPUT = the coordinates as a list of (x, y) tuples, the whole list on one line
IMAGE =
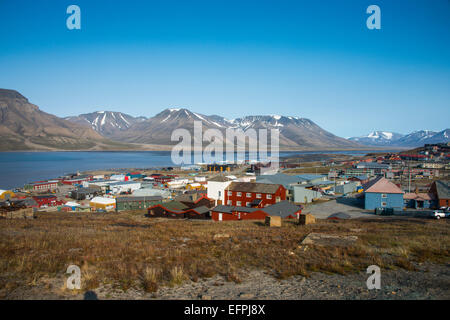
[(195, 186), (6, 194), (102, 203)]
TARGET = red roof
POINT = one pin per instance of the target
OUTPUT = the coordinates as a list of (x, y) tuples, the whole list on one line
[(381, 185)]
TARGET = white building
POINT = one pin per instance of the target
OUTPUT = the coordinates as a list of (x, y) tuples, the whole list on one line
[(125, 186), (216, 188), (117, 177)]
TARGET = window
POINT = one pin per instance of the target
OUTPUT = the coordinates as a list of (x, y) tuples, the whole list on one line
[(268, 196), (229, 202), (384, 195), (230, 193), (248, 204), (383, 204), (238, 203), (219, 194), (277, 199), (249, 195), (258, 196), (239, 194)]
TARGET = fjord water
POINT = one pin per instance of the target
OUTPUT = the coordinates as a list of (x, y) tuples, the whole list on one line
[(19, 168)]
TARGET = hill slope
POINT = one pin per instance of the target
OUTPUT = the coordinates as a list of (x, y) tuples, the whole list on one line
[(24, 127)]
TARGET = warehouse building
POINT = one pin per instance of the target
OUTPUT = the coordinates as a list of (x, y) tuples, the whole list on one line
[(136, 203)]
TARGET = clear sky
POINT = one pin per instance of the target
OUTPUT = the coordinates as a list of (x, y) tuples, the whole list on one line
[(313, 59)]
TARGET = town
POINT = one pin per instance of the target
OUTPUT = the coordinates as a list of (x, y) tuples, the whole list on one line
[(406, 183)]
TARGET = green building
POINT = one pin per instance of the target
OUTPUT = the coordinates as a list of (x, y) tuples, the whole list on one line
[(136, 203)]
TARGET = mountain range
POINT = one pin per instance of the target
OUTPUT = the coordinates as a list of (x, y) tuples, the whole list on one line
[(23, 126), (413, 139)]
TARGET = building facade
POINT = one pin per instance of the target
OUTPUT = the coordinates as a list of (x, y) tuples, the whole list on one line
[(248, 194)]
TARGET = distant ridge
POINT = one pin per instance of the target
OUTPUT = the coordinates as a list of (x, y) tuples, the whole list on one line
[(413, 139)]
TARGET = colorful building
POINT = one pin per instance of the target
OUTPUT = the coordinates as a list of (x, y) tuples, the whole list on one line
[(249, 194), (382, 193)]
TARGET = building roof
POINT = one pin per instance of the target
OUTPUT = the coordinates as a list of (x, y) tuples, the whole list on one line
[(360, 177), (103, 200), (279, 178), (253, 187), (419, 196), (309, 176), (282, 209), (443, 189), (339, 215), (231, 209), (174, 205), (219, 179), (149, 192), (372, 165), (128, 199), (381, 185)]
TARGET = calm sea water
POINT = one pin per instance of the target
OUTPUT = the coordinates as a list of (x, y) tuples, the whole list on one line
[(19, 168)]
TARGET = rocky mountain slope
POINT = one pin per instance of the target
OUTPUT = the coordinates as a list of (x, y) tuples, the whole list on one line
[(107, 123), (23, 126), (295, 133)]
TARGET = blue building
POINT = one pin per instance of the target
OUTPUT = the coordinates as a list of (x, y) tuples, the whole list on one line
[(381, 193), (420, 200)]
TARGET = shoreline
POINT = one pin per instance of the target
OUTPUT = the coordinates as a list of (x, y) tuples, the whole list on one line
[(381, 149)]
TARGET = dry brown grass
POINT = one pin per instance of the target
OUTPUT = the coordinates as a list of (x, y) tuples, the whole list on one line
[(129, 250)]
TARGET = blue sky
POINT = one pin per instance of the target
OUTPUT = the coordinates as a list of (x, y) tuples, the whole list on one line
[(313, 59)]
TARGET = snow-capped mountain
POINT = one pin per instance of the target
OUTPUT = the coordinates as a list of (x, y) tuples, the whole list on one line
[(413, 139), (107, 123), (299, 133), (376, 138)]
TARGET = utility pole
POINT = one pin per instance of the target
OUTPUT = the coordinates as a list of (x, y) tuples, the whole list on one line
[(409, 179)]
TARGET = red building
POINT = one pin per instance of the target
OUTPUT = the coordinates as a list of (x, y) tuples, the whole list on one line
[(47, 200), (45, 186), (75, 181), (163, 179), (284, 209), (250, 194)]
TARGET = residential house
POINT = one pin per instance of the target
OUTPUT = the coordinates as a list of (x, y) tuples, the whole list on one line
[(441, 190), (47, 201), (193, 199), (419, 200), (216, 188), (382, 193), (102, 203), (248, 194), (177, 210), (284, 209)]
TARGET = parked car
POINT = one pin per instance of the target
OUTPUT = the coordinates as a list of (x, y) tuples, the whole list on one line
[(438, 214), (445, 209)]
